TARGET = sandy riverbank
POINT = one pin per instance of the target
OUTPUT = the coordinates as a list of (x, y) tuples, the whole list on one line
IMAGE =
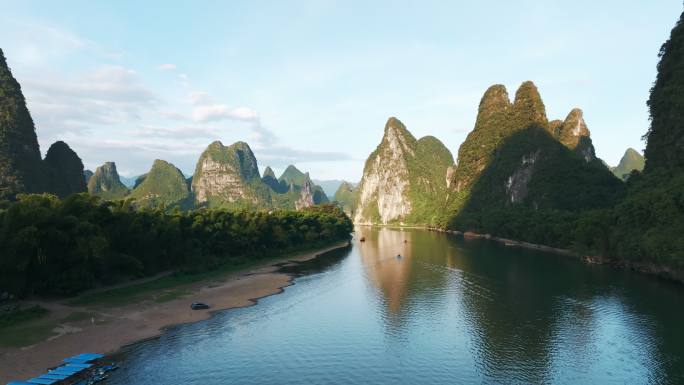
[(111, 328)]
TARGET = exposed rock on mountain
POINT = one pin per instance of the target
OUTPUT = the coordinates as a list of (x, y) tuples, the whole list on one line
[(514, 156), (229, 177), (574, 134), (65, 170), (346, 196), (164, 185), (21, 167), (293, 177), (498, 120), (403, 179), (105, 183), (306, 196), (630, 161)]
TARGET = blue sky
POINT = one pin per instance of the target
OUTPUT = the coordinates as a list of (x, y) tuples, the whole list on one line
[(313, 82)]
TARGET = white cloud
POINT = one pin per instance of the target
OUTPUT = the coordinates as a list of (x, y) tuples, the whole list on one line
[(216, 112), (199, 98), (167, 67), (177, 132), (107, 96)]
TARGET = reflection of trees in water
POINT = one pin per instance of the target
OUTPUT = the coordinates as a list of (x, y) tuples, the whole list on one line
[(544, 315), (531, 317)]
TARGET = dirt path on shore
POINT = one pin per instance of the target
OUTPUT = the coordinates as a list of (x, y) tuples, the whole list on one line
[(107, 329)]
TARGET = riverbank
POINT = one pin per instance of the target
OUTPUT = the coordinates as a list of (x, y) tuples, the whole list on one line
[(659, 271), (106, 328)]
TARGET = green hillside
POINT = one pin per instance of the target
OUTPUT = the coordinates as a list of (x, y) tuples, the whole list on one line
[(163, 186)]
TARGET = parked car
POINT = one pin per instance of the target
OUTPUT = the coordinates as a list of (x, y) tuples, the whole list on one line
[(199, 306)]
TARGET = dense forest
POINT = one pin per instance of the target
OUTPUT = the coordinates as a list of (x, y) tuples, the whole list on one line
[(53, 247)]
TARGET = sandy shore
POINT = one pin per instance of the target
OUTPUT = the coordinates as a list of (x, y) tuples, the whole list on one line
[(111, 328)]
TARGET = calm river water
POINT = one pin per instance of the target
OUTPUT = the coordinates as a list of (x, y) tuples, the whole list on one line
[(448, 311)]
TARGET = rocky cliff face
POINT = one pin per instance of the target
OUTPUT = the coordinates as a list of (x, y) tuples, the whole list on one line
[(630, 161), (228, 176), (306, 196), (574, 134), (21, 167), (402, 178), (105, 183), (164, 185), (65, 170)]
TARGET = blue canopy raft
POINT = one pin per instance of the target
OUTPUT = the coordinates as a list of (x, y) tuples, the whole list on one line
[(82, 369)]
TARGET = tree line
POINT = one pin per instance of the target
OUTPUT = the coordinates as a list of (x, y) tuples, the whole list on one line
[(55, 247)]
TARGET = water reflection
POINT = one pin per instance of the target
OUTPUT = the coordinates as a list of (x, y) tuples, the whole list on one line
[(531, 317), (447, 311)]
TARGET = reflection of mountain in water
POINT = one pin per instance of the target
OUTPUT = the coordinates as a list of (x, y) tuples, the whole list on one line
[(386, 271), (518, 319)]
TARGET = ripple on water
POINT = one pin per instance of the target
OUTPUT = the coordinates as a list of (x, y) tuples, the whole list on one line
[(447, 312)]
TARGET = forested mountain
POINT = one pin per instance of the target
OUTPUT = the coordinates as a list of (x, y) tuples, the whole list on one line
[(630, 161), (329, 186), (297, 180), (21, 166), (516, 169), (346, 197), (228, 176), (645, 229), (106, 184), (65, 170), (163, 186), (403, 180)]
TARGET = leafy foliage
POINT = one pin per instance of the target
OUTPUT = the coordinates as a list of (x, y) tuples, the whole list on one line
[(630, 161), (163, 186), (346, 197), (55, 247)]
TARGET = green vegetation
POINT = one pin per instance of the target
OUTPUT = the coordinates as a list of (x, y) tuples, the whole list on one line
[(21, 167), (164, 186), (427, 170), (24, 327), (65, 169), (20, 316), (530, 189), (346, 196), (407, 175), (295, 179), (105, 183), (54, 247), (665, 149), (647, 226), (536, 199), (631, 161)]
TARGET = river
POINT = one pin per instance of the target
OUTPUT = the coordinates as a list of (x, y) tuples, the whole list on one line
[(448, 310)]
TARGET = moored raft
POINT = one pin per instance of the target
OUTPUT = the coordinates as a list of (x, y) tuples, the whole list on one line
[(72, 370)]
